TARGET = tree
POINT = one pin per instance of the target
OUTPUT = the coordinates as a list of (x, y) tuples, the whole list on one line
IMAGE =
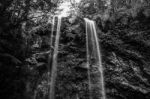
[(15, 43)]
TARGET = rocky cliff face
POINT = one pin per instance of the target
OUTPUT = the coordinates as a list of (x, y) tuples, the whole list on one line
[(126, 58), (125, 55)]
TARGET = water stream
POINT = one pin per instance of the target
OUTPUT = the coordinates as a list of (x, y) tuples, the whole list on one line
[(51, 53), (54, 61), (88, 60), (52, 31), (51, 49), (94, 57)]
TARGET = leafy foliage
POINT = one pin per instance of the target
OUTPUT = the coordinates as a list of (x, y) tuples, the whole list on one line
[(15, 46)]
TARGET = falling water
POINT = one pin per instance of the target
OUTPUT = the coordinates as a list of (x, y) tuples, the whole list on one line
[(93, 53), (51, 52), (51, 46), (52, 31), (88, 59), (54, 62)]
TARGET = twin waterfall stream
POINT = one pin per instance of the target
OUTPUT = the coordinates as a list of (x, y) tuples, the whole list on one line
[(93, 58), (54, 58)]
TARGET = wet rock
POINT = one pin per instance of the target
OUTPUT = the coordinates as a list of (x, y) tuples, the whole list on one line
[(127, 78), (82, 67)]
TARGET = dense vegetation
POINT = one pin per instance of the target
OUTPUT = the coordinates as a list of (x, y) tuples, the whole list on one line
[(123, 28)]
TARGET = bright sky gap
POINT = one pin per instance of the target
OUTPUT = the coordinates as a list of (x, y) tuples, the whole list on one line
[(65, 7)]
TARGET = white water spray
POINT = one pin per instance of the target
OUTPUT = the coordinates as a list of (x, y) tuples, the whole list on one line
[(54, 61), (51, 46), (52, 31), (51, 53), (93, 52), (88, 59)]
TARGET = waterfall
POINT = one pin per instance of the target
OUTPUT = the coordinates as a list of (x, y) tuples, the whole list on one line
[(94, 57), (54, 59), (88, 60), (52, 31), (51, 52)]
